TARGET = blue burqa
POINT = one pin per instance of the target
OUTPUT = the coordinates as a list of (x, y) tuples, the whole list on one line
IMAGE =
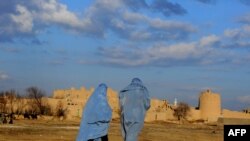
[(96, 116), (134, 102)]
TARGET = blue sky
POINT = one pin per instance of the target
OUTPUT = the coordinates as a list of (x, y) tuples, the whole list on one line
[(177, 48)]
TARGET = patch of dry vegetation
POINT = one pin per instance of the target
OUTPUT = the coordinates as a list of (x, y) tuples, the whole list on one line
[(56, 130)]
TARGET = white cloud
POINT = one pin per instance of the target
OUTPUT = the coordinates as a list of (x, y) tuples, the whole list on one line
[(54, 12), (3, 76), (23, 19), (208, 50), (141, 35), (232, 33), (159, 54), (118, 18), (118, 24), (165, 24), (132, 17), (237, 37), (209, 40), (176, 51), (238, 33), (30, 18)]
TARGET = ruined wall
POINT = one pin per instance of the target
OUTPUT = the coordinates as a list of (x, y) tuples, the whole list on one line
[(68, 94), (155, 104), (160, 110), (209, 105), (194, 114), (75, 99), (159, 116)]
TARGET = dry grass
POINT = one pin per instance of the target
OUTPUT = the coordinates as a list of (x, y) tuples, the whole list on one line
[(54, 130)]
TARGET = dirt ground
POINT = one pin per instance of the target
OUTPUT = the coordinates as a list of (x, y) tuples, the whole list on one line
[(55, 130)]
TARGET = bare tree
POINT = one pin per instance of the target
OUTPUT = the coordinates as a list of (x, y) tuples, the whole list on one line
[(181, 111), (35, 96), (20, 104)]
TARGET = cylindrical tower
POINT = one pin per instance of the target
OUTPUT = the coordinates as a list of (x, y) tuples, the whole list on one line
[(210, 105)]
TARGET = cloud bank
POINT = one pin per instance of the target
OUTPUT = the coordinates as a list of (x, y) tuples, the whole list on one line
[(26, 19), (156, 40)]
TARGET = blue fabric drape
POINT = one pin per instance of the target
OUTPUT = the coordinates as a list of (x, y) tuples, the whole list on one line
[(96, 116), (134, 102)]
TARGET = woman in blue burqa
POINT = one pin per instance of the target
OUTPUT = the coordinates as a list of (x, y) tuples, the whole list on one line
[(134, 102), (96, 117)]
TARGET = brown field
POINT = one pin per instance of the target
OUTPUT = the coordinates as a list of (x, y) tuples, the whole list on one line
[(54, 130)]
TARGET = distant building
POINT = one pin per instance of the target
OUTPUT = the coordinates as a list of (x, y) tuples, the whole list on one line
[(73, 100), (209, 106)]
